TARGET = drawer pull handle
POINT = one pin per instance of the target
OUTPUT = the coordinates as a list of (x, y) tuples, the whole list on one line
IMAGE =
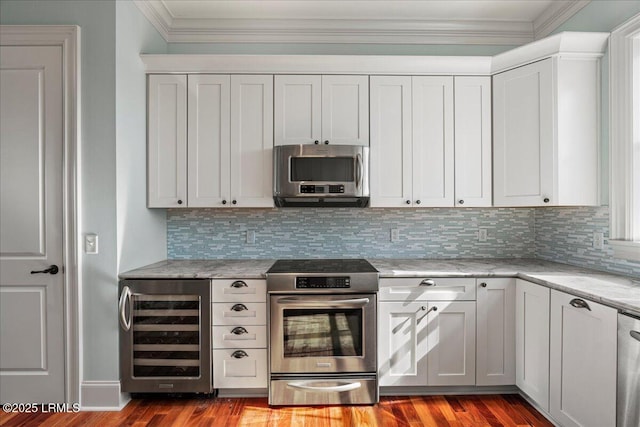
[(239, 307), (239, 284), (635, 335), (579, 303), (239, 330), (427, 282), (239, 354)]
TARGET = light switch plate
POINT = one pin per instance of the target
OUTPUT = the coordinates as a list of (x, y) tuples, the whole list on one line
[(482, 235), (395, 234), (251, 237), (91, 244)]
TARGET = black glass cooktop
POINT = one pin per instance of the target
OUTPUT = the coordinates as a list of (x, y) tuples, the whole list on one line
[(327, 266)]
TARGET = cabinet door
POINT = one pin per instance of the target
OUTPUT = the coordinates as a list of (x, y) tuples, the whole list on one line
[(402, 344), (251, 141), (532, 341), (473, 141), (427, 289), (583, 362), (167, 151), (209, 140), (432, 99), (523, 136), (297, 109), (345, 110), (452, 343), (496, 332), (390, 155), (241, 368)]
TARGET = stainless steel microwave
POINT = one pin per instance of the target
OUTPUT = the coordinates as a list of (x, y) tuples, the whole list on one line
[(321, 176)]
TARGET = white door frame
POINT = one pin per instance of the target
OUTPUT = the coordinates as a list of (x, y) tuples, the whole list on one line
[(68, 38)]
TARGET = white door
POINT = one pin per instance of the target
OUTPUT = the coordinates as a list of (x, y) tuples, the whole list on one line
[(252, 141), (532, 341), (167, 146), (209, 140), (31, 225), (345, 110), (297, 109), (432, 99), (583, 362), (523, 136), (390, 155), (496, 332), (402, 343), (472, 141), (452, 343)]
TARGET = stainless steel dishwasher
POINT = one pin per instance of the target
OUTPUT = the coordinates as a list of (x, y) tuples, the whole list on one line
[(628, 370)]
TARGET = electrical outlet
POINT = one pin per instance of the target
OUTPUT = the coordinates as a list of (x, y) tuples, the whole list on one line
[(598, 240), (251, 237), (482, 235), (395, 234), (91, 244)]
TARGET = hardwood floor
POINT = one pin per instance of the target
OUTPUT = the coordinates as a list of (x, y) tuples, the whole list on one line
[(454, 411)]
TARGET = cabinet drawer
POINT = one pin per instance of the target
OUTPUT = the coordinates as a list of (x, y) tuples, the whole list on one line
[(425, 288), (239, 290), (239, 336), (239, 313), (236, 368)]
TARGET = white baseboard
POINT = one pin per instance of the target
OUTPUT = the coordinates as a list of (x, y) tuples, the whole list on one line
[(102, 396)]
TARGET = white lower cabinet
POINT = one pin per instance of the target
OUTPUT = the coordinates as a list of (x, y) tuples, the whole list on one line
[(239, 334), (583, 362), (423, 340), (496, 332), (532, 341)]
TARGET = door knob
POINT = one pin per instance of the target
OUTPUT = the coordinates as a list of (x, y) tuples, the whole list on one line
[(53, 269)]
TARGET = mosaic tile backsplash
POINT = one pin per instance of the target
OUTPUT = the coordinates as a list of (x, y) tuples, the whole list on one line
[(339, 232), (566, 235)]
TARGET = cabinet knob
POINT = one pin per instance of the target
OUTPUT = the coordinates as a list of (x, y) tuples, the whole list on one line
[(326, 142), (484, 285), (224, 201), (179, 201), (316, 142), (546, 200), (239, 354), (418, 202), (461, 202), (423, 308), (234, 202), (408, 202)]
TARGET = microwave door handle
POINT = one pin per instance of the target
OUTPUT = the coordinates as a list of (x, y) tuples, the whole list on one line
[(358, 171), (307, 302)]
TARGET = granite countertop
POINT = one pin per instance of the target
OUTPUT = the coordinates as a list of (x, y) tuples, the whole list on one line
[(617, 291)]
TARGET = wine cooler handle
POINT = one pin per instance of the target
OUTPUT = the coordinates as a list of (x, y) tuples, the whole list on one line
[(124, 298)]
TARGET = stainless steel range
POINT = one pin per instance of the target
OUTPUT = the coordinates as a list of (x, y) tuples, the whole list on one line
[(322, 341)]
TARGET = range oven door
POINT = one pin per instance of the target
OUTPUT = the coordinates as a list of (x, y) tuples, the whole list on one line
[(323, 334)]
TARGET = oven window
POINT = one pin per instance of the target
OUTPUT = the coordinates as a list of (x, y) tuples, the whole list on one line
[(322, 332), (337, 169)]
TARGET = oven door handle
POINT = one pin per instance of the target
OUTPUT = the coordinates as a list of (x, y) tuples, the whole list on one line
[(335, 388), (306, 302)]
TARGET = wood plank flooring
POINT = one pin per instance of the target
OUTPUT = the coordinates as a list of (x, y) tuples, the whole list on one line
[(445, 411)]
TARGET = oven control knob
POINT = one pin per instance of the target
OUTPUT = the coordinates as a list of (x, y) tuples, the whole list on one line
[(239, 307)]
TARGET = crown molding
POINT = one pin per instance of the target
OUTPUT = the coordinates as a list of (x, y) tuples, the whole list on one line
[(156, 12), (555, 15)]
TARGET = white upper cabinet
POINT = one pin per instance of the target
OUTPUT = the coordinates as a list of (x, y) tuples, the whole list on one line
[(390, 156), (430, 141), (546, 125), (221, 151), (472, 141), (583, 362), (209, 133), (321, 109), (251, 141), (167, 141)]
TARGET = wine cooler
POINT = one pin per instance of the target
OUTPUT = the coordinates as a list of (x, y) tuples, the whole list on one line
[(165, 343)]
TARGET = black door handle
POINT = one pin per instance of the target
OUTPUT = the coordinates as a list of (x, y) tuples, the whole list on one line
[(53, 269)]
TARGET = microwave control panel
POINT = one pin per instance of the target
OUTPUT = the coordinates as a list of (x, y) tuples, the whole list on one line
[(321, 189)]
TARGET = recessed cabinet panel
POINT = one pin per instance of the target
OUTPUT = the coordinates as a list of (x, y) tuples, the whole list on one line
[(209, 156), (298, 109), (345, 110), (390, 159), (240, 368), (167, 148)]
